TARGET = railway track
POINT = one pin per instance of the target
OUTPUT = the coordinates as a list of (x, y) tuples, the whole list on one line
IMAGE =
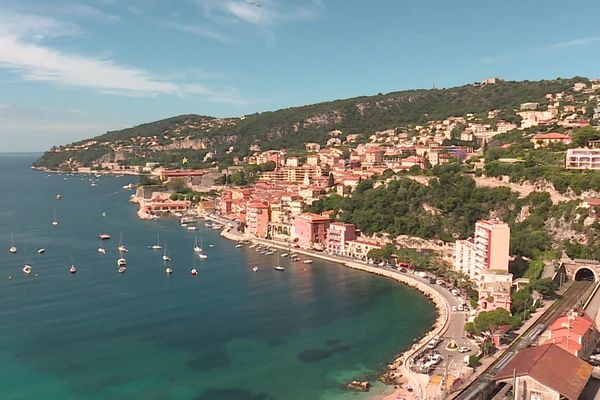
[(477, 389)]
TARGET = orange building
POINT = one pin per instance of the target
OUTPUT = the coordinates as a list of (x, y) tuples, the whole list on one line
[(257, 218)]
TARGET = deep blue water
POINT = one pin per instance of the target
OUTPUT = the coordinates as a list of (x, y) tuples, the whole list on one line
[(228, 333)]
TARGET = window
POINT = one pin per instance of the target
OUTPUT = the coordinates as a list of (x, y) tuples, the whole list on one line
[(536, 396)]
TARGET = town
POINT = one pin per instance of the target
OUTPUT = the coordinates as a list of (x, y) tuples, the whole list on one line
[(283, 198)]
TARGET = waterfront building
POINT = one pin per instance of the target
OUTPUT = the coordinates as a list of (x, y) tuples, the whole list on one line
[(545, 373), (310, 230), (292, 174), (257, 218), (360, 247), (583, 158), (338, 236)]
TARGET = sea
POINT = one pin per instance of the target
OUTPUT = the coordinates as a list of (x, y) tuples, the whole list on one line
[(226, 334)]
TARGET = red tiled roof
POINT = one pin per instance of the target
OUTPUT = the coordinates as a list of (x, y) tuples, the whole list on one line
[(551, 135), (578, 326), (540, 363), (314, 217)]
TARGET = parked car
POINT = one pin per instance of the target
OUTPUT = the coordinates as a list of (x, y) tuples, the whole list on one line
[(464, 349), (453, 308), (460, 307)]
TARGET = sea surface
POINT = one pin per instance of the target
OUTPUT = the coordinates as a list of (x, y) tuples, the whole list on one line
[(226, 334)]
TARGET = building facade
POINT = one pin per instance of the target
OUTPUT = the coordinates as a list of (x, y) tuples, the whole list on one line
[(310, 230), (583, 158), (338, 235)]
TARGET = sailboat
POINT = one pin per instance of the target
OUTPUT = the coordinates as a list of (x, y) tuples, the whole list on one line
[(278, 267), (201, 255), (122, 247), (156, 246), (13, 248), (165, 257), (197, 248), (193, 271), (101, 249), (73, 269), (55, 221)]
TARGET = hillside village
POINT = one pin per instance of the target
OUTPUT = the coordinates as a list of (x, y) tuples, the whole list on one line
[(488, 203)]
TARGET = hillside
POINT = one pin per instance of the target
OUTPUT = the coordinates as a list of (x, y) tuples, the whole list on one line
[(195, 136)]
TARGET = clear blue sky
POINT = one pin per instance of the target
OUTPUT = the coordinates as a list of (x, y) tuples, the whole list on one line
[(72, 69)]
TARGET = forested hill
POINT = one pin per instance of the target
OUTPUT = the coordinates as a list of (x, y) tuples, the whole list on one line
[(292, 127)]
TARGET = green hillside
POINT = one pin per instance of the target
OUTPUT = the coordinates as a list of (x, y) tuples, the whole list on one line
[(293, 127)]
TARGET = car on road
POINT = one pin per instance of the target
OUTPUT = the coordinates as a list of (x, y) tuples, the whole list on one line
[(453, 308), (464, 349)]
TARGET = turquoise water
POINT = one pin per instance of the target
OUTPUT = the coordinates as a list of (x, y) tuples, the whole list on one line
[(228, 333)]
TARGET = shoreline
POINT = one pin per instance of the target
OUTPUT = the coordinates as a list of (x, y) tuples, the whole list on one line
[(398, 371), (94, 172)]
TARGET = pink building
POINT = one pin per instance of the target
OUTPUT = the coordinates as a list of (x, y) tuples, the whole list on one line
[(257, 218), (494, 291), (338, 235), (310, 230)]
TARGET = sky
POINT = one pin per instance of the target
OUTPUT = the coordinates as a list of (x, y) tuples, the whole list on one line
[(75, 69)]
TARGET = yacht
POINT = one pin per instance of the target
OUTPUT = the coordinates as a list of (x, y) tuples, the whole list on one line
[(122, 247), (308, 261), (73, 269), (41, 251), (26, 269), (122, 269), (101, 250), (168, 270), (239, 245), (202, 256), (192, 228), (58, 197), (121, 262), (104, 236)]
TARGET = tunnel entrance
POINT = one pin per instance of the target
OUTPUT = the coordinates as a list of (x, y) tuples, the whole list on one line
[(584, 274)]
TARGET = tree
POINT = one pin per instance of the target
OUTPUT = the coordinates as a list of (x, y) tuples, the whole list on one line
[(489, 321), (330, 180), (545, 286), (583, 136)]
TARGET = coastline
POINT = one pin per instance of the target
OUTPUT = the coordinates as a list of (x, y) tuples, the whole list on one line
[(92, 172), (398, 371)]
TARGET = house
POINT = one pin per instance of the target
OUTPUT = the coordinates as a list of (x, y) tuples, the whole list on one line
[(546, 139), (545, 372), (360, 247), (257, 218), (575, 332), (583, 158)]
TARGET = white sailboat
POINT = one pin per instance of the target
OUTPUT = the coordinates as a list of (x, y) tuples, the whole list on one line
[(168, 270), (26, 267), (255, 269), (165, 257), (13, 248), (73, 269), (54, 220), (278, 267), (156, 246), (122, 247), (197, 249), (193, 271)]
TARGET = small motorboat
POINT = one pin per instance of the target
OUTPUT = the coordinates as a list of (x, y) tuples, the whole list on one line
[(58, 196), (168, 270), (12, 249), (284, 255), (104, 236), (192, 228), (41, 251), (26, 269), (121, 262), (239, 245), (254, 269), (202, 256), (123, 249), (103, 214), (308, 261), (194, 271), (101, 250), (279, 268), (122, 269), (211, 245), (73, 269)]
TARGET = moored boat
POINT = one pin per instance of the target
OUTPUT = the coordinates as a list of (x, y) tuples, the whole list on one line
[(73, 269), (26, 269), (104, 236)]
